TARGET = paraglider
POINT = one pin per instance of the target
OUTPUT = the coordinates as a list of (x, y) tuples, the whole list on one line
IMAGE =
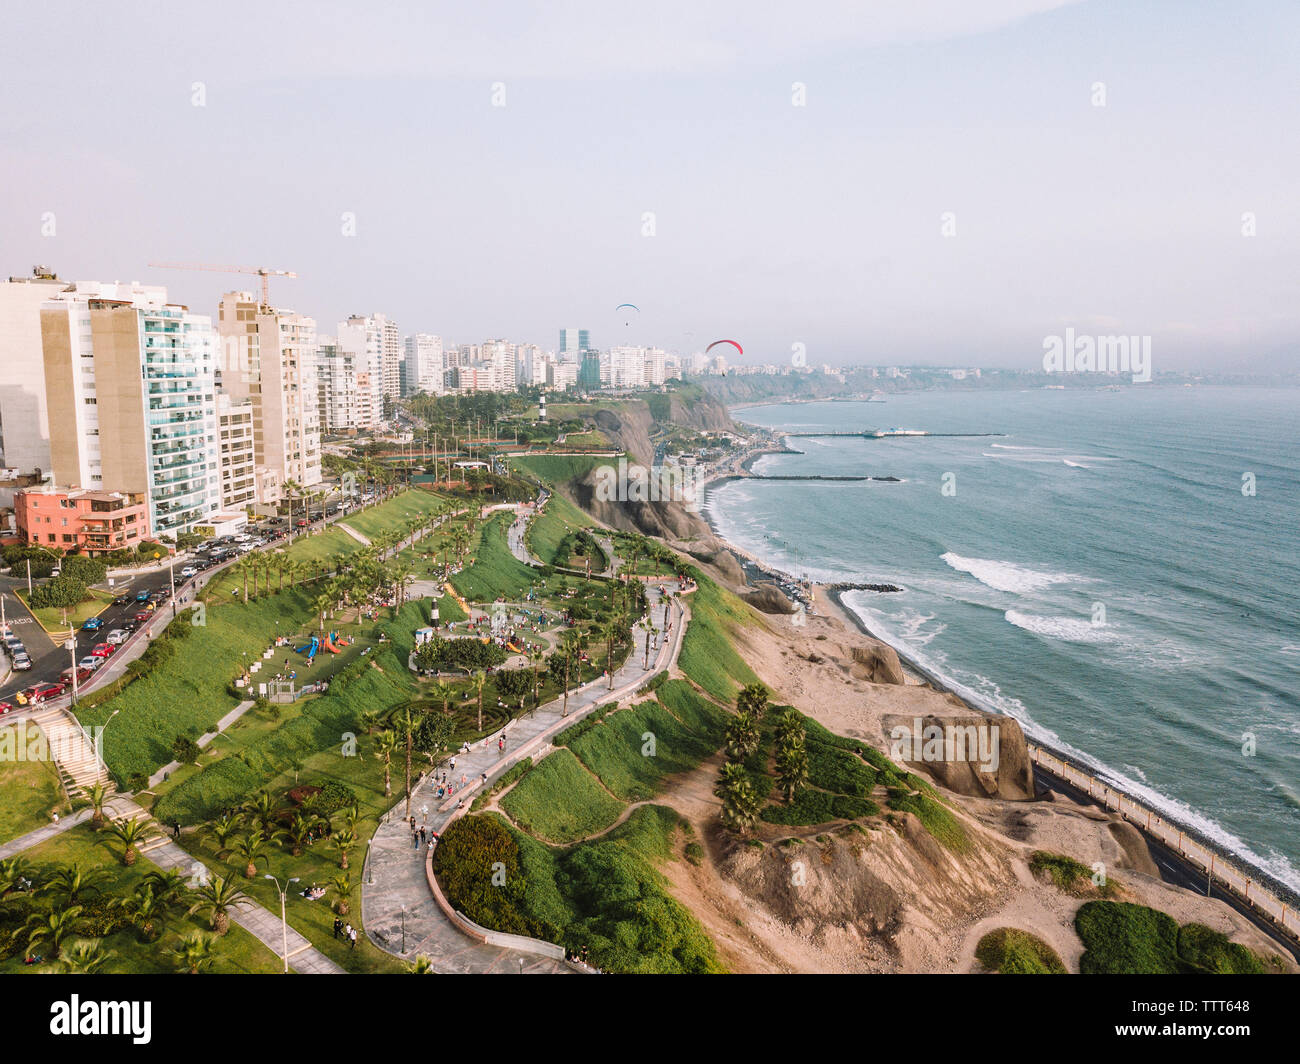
[(626, 307), (733, 343)]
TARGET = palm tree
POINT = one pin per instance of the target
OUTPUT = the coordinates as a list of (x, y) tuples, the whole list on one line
[(215, 899), (370, 719), (568, 652), (740, 801), (146, 911), (250, 849), (300, 830), (85, 958), (754, 698), (129, 833), (742, 736), (241, 570), (260, 807), (69, 884), (168, 884), (343, 842), (421, 966), (12, 871), (51, 929), (480, 679), (791, 761), (342, 884), (194, 953), (97, 794), (222, 829), (535, 658), (406, 726), (610, 631), (385, 747)]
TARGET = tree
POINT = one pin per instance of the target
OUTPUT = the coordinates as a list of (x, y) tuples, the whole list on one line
[(741, 803), (610, 631), (260, 808), (406, 725), (791, 754), (754, 699), (185, 750), (85, 958), (342, 884), (13, 870), (129, 833), (343, 842), (742, 736), (223, 829), (422, 965), (68, 885), (514, 684), (250, 849), (385, 747), (146, 911), (194, 953), (300, 830), (215, 899), (480, 679), (97, 795), (50, 929)]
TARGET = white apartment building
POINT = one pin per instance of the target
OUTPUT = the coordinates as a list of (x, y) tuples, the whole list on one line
[(364, 339), (269, 359), (130, 384), (24, 418), (561, 375), (391, 353), (626, 367), (424, 364), (336, 387)]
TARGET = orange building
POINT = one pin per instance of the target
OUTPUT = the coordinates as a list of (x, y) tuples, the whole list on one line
[(94, 522)]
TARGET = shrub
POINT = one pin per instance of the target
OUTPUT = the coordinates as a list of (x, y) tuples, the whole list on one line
[(1015, 952), (63, 592), (185, 750), (1123, 939), (332, 797)]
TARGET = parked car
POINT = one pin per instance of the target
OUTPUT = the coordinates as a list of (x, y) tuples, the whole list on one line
[(142, 615), (22, 662), (5, 707), (189, 571), (92, 624), (90, 662), (13, 644), (82, 675), (116, 636), (142, 596), (104, 650), (122, 600), (40, 692), (131, 625), (243, 537), (302, 522)]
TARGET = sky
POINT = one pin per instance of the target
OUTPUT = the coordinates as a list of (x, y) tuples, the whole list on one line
[(955, 181)]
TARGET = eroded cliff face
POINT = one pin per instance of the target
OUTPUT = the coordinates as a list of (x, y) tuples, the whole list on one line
[(964, 750)]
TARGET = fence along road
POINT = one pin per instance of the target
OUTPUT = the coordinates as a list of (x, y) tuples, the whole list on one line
[(1215, 866)]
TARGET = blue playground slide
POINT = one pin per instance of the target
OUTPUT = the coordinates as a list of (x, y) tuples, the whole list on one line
[(312, 648)]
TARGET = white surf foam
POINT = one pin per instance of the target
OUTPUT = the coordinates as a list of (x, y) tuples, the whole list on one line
[(1006, 576)]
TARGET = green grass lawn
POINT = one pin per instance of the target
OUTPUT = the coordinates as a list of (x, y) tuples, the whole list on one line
[(560, 801), (321, 551), (634, 750), (707, 655), (236, 952), (396, 513), (495, 572), (547, 530), (31, 789), (558, 468), (55, 619)]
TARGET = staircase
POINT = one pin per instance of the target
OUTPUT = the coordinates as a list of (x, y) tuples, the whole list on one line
[(72, 751)]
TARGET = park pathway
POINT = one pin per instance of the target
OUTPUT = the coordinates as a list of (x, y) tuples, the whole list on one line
[(398, 910)]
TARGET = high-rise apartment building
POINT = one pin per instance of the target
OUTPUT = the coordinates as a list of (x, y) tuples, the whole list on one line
[(365, 338), (269, 360), (130, 385), (24, 420), (336, 387), (391, 355), (237, 454), (424, 365)]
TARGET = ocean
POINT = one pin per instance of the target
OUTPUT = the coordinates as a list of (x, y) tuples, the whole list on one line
[(1118, 572)]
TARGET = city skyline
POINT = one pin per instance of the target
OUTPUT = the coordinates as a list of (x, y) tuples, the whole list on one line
[(1105, 190)]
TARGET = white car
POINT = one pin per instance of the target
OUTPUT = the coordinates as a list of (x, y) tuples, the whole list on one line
[(116, 636), (22, 662), (90, 662), (188, 571), (243, 537)]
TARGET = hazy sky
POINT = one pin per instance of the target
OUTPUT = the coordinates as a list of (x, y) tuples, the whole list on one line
[(773, 224)]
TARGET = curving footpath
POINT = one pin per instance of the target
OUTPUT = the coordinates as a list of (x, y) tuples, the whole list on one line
[(398, 903)]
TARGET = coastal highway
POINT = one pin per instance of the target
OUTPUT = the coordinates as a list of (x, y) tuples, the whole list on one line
[(1174, 868)]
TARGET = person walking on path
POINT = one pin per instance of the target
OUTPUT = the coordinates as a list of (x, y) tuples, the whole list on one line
[(338, 926), (352, 938)]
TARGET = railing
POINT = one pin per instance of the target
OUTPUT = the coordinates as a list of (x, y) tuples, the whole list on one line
[(1192, 849)]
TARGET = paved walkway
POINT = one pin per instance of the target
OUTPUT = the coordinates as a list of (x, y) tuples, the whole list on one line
[(395, 881), (354, 534)]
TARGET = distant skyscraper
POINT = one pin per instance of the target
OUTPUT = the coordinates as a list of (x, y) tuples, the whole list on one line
[(24, 423), (424, 364), (364, 339), (572, 342), (589, 372)]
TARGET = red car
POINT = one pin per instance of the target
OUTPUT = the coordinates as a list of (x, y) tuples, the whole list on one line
[(82, 675), (5, 707), (40, 692), (104, 650), (143, 615)]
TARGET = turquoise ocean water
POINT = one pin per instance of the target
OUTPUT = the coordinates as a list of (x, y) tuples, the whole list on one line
[(1124, 507)]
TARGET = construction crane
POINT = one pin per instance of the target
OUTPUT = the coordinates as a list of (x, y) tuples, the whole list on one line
[(261, 271)]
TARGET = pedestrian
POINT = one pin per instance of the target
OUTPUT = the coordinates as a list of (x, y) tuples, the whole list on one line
[(338, 926), (424, 835), (415, 839), (176, 829), (352, 938), (483, 778)]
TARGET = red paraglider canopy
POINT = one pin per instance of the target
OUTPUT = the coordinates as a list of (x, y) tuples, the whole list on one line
[(731, 342)]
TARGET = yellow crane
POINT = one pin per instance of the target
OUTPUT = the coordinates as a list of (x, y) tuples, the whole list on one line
[(262, 271)]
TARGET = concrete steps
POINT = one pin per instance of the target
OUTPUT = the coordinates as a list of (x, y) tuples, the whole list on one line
[(73, 752)]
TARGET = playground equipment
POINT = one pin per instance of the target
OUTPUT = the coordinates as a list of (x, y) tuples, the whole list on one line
[(312, 648), (515, 648), (333, 643)]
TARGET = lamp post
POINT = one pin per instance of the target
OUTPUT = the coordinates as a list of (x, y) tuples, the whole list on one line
[(284, 923), (72, 652), (403, 930), (99, 741)]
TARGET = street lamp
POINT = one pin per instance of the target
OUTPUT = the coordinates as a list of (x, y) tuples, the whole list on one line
[(99, 743), (284, 923), (403, 930)]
